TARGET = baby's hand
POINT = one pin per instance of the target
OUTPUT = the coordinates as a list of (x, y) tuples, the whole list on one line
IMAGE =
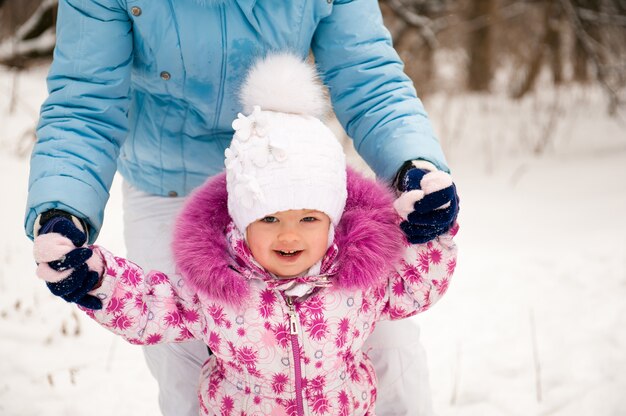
[(428, 204), (70, 269)]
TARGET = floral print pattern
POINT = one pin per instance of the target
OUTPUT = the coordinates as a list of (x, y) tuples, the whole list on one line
[(252, 371)]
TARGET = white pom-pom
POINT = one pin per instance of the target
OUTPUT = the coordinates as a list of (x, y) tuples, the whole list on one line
[(284, 83)]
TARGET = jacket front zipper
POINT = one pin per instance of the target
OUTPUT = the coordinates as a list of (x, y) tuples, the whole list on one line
[(295, 348)]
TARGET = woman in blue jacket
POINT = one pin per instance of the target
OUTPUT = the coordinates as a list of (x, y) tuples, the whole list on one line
[(150, 88)]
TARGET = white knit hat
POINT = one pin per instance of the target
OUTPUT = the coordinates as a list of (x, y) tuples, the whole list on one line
[(282, 156)]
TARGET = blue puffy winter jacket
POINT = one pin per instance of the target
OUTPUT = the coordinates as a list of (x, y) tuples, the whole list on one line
[(149, 87)]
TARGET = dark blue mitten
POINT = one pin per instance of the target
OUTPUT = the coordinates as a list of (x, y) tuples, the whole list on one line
[(68, 275), (428, 204)]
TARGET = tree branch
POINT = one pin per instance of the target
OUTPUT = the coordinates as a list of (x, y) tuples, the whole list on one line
[(34, 38), (587, 43), (424, 24), (601, 18)]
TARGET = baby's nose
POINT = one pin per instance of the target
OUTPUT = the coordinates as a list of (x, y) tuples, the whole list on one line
[(288, 235)]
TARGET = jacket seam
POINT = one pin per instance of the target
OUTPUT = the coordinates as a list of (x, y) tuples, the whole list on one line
[(161, 129), (182, 59), (182, 149), (220, 98), (301, 23), (137, 117)]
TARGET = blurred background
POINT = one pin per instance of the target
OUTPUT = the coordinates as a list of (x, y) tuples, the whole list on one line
[(528, 100), (574, 40)]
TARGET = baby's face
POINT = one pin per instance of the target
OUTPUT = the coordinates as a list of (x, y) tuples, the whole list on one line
[(288, 243)]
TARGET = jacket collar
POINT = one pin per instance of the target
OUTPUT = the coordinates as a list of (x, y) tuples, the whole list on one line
[(368, 240)]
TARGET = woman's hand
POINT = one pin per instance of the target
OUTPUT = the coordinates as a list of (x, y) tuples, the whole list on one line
[(69, 268), (428, 204)]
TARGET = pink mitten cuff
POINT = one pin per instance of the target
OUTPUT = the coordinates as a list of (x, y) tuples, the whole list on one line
[(96, 261)]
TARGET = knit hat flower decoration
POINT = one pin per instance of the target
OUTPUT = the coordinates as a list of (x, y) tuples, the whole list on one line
[(282, 156), (249, 150)]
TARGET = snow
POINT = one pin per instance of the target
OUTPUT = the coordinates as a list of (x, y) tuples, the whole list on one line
[(533, 323)]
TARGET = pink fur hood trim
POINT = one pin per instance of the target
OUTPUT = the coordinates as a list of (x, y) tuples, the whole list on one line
[(369, 239)]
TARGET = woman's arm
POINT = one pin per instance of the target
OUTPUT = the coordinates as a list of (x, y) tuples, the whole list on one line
[(84, 119), (373, 98)]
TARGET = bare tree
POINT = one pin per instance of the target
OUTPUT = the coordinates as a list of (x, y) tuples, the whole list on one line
[(29, 31), (414, 26), (552, 21), (480, 45), (604, 48), (580, 59), (547, 48), (597, 51)]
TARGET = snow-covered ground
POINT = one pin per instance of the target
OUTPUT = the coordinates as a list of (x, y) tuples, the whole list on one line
[(533, 323)]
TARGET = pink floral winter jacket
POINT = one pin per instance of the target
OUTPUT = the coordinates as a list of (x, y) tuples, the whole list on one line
[(275, 354)]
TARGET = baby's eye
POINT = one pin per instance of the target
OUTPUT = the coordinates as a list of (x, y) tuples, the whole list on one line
[(269, 219), (309, 219)]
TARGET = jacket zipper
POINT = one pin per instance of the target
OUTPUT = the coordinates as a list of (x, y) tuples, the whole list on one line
[(295, 348)]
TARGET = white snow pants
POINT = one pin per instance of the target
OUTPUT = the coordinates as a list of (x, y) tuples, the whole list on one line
[(394, 347)]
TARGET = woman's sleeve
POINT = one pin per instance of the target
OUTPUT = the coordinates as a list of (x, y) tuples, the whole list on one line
[(373, 98), (421, 277), (83, 122), (145, 308)]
